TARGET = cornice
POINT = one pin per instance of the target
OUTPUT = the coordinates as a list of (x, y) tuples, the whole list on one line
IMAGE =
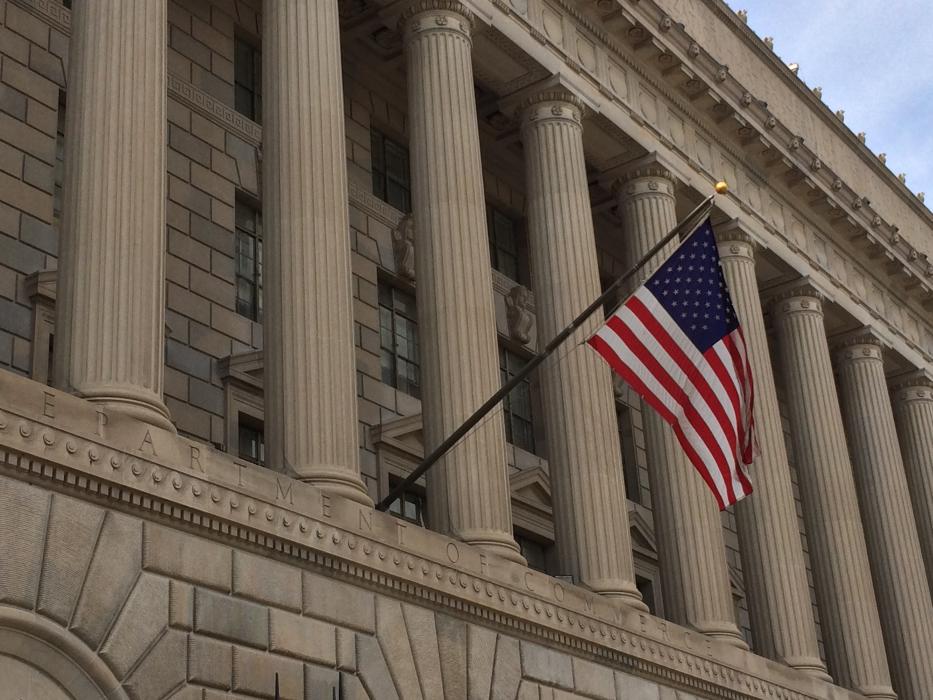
[(55, 440), (804, 92), (842, 206)]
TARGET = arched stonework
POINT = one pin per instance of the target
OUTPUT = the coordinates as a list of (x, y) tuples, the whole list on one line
[(39, 660)]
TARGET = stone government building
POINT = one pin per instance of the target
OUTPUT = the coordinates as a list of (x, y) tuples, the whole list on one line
[(256, 257)]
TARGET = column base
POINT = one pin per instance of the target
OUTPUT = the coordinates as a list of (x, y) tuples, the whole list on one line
[(879, 692), (147, 409), (618, 592), (725, 633), (814, 668), (492, 541), (335, 481)]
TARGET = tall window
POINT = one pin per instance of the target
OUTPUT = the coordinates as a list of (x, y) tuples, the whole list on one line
[(247, 74), (391, 177), (398, 334), (629, 462), (503, 243), (248, 261), (519, 428), (252, 440)]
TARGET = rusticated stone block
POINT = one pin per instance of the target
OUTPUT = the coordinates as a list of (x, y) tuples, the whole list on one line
[(373, 669), (338, 602), (422, 636), (184, 556), (143, 617), (181, 605), (254, 672), (546, 665), (452, 646), (23, 510), (346, 650), (634, 688), (481, 649), (73, 529), (302, 637), (210, 662), (229, 618), (110, 577), (267, 581), (593, 679), (508, 670), (161, 670), (320, 682), (392, 633), (352, 688)]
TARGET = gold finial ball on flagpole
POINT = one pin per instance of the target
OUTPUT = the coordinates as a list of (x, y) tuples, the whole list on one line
[(722, 187)]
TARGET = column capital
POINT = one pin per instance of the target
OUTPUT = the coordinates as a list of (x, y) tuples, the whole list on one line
[(421, 16), (913, 386), (861, 344), (551, 104), (650, 174), (802, 296), (734, 241), (552, 98)]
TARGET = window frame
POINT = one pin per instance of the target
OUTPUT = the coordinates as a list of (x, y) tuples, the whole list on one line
[(409, 388), (496, 251), (380, 171), (255, 279), (254, 91), (505, 374)]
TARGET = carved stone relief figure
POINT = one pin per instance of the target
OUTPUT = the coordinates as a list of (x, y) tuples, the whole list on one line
[(403, 247), (518, 313)]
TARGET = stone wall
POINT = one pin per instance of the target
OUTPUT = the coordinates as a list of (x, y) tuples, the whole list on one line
[(173, 615)]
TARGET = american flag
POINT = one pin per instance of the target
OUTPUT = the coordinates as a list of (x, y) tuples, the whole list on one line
[(678, 343)]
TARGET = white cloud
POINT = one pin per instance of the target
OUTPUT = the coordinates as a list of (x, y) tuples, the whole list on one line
[(873, 59)]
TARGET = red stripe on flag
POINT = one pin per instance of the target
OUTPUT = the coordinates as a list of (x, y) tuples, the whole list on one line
[(652, 400), (694, 375), (692, 416)]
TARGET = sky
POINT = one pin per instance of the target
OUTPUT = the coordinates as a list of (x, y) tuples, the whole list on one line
[(873, 59)]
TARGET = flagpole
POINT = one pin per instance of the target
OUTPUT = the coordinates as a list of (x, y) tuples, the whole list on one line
[(694, 216)]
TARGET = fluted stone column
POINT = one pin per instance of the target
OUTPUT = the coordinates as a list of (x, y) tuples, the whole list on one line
[(838, 555), (468, 491), (913, 415), (691, 549), (311, 410), (111, 304), (584, 456), (772, 559), (890, 529)]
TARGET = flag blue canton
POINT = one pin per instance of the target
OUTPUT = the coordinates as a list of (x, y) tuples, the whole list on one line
[(691, 287)]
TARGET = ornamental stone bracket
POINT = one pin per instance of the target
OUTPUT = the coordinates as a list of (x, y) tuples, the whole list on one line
[(67, 444)]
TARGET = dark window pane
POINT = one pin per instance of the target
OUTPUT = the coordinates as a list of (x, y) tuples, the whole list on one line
[(519, 424), (398, 339), (252, 440), (248, 262), (390, 170)]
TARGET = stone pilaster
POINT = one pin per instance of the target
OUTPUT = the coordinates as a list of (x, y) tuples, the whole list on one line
[(468, 491), (772, 559), (311, 423), (851, 627), (111, 304), (901, 586), (691, 550), (584, 456), (913, 415)]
